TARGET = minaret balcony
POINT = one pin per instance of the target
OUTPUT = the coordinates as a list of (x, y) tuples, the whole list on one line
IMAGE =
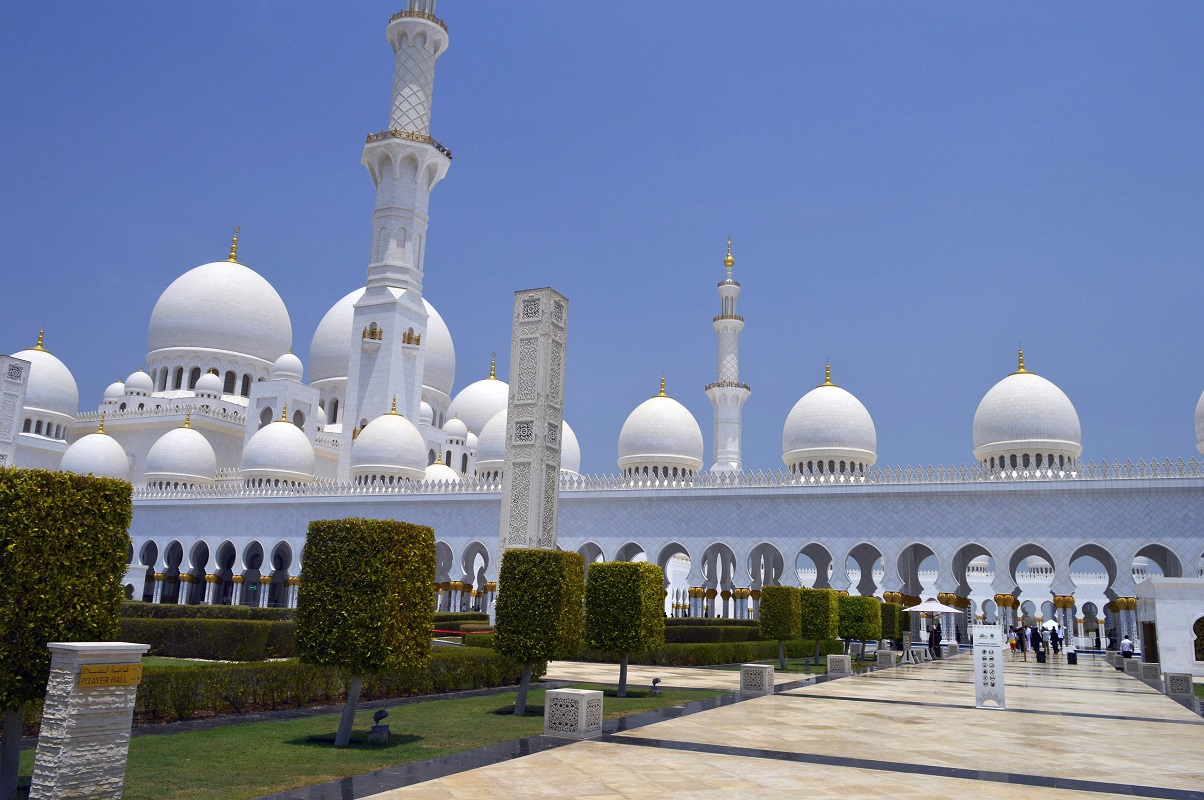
[(409, 136), (727, 385), (410, 342), (407, 14), (728, 316)]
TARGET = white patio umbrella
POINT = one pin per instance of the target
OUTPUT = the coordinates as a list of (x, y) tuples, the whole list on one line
[(1049, 624), (933, 607)]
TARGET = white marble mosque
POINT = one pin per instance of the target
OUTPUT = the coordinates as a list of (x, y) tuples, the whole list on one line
[(231, 452)]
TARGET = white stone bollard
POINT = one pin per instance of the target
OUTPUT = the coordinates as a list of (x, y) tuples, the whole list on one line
[(953, 648), (575, 713), (1132, 667), (840, 665), (1180, 688), (884, 658), (86, 720), (756, 679), (1151, 674)]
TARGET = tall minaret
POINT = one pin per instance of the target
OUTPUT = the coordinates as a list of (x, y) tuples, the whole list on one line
[(405, 164), (727, 394)]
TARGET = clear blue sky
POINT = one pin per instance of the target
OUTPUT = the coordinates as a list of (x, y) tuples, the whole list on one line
[(912, 189)]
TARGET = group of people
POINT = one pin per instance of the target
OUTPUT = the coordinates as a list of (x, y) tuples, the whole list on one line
[(1036, 638)]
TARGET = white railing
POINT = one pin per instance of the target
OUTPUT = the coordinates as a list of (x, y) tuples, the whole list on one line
[(174, 408), (887, 476)]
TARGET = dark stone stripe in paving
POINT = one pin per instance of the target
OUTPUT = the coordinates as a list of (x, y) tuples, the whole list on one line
[(966, 706), (915, 769)]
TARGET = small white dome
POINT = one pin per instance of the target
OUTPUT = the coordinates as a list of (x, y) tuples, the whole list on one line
[(471, 441), (96, 454), (182, 455), (491, 447), (330, 349), (456, 429), (139, 383), (279, 451), (827, 428), (208, 385), (570, 450), (479, 402), (221, 306), (389, 447), (426, 414), (660, 434), (51, 386), (321, 418), (288, 367), (115, 391), (441, 473), (1026, 415), (1200, 424)]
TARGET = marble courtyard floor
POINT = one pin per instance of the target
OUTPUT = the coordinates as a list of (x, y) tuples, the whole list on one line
[(1085, 731)]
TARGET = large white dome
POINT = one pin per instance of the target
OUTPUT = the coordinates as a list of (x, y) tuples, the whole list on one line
[(1026, 416), (829, 430), (182, 455), (479, 402), (441, 473), (96, 454), (660, 435), (221, 307), (51, 386), (279, 451), (491, 447), (389, 447), (330, 349)]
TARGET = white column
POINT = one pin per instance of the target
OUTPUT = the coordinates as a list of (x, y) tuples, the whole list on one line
[(727, 394), (211, 584), (158, 591), (236, 594), (265, 583)]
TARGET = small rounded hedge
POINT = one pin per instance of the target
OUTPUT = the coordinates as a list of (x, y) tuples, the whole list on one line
[(625, 607), (702, 655), (133, 609), (781, 613), (860, 618)]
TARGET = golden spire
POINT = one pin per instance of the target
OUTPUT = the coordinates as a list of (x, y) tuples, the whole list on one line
[(493, 367), (828, 376), (41, 334), (439, 459), (662, 394), (729, 262), (101, 429), (1020, 370), (283, 414), (187, 419), (393, 410), (234, 246)]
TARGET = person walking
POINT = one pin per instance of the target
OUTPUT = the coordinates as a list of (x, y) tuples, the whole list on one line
[(1126, 647)]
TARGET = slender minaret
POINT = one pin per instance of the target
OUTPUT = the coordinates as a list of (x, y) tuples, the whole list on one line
[(727, 394), (405, 164)]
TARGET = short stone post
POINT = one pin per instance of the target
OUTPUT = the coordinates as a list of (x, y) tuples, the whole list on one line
[(86, 720), (756, 679), (1181, 689), (840, 666), (884, 659), (1132, 667), (576, 713), (1151, 674)]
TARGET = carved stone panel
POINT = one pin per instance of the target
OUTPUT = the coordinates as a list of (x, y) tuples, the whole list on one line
[(14, 377)]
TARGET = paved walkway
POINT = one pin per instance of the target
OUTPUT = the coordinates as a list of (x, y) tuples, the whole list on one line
[(1069, 733), (675, 677)]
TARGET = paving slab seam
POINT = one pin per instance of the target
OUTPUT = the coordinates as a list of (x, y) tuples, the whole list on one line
[(1071, 784)]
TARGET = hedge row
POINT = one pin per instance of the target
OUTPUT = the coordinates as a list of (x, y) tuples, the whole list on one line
[(131, 609), (711, 633), (212, 639), (701, 655), (459, 616), (461, 625), (696, 621), (174, 693)]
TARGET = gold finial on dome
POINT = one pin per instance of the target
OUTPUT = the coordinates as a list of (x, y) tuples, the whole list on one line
[(187, 419), (662, 394), (393, 410), (828, 376), (439, 458), (283, 414), (234, 246), (493, 367), (1020, 370), (41, 335), (101, 429), (729, 262)]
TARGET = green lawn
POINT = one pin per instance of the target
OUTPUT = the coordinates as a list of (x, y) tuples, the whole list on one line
[(244, 761), (1199, 688)]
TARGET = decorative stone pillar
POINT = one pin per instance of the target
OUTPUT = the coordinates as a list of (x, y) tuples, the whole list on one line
[(756, 603), (212, 584), (709, 609), (86, 719), (236, 595), (157, 596), (184, 596), (294, 586), (726, 596), (265, 585)]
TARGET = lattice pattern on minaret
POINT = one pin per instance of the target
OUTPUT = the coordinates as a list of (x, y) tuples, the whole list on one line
[(413, 85)]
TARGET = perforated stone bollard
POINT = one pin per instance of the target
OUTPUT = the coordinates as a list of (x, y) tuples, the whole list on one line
[(1151, 674), (840, 665), (1132, 667), (85, 735), (1179, 687), (756, 679), (884, 659), (953, 648), (575, 713)]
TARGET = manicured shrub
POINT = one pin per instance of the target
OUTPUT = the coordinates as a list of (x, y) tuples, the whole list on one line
[(711, 633), (540, 609), (781, 616), (366, 600), (443, 617), (134, 609), (212, 639), (707, 621), (821, 616), (481, 640), (859, 618), (625, 610), (892, 616), (63, 548)]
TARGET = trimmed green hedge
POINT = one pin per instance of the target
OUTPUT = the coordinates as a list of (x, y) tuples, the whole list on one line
[(486, 640), (133, 609), (860, 618), (625, 607), (781, 613), (892, 617), (701, 655), (367, 597), (711, 633), (63, 550), (821, 613), (446, 619), (540, 604), (704, 621), (212, 639)]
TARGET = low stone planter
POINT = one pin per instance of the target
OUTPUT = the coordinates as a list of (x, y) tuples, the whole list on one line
[(575, 713)]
